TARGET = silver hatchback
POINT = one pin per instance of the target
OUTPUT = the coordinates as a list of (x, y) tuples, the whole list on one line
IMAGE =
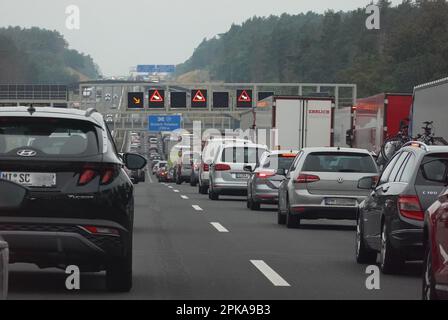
[(324, 183)]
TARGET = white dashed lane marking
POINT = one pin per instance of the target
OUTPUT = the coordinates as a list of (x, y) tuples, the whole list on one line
[(269, 273), (219, 227), (184, 197), (197, 208)]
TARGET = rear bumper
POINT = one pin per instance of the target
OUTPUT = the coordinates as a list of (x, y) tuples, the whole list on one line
[(230, 189), (324, 212), (267, 197), (51, 242)]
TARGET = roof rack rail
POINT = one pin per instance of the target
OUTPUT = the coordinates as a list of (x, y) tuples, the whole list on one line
[(415, 144), (90, 111)]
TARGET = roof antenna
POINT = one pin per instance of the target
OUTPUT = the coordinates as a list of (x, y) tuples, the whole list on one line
[(31, 109)]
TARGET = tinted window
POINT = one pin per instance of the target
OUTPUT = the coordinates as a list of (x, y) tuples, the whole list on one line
[(433, 171), (389, 167), (275, 161), (242, 154), (339, 162), (400, 162), (407, 170), (48, 136)]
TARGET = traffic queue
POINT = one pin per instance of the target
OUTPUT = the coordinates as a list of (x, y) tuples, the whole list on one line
[(400, 212)]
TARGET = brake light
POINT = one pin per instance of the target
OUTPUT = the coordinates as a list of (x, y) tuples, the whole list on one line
[(205, 167), (86, 176), (222, 167), (409, 207), (307, 178), (107, 174), (265, 174)]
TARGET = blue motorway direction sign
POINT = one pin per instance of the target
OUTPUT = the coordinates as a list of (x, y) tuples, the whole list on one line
[(156, 68), (159, 123)]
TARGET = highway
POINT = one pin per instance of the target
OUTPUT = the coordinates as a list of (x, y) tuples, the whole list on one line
[(189, 247)]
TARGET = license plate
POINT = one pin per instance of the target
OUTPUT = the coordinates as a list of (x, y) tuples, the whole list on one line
[(242, 176), (30, 179), (340, 202)]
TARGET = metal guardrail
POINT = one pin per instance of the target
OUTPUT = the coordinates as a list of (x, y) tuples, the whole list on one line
[(4, 271)]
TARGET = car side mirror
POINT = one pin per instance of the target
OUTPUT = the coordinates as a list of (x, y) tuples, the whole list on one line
[(367, 183), (134, 161), (248, 168)]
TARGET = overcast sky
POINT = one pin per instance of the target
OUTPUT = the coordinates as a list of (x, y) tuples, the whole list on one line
[(120, 34)]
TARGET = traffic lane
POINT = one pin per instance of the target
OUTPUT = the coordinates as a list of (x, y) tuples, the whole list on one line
[(177, 255), (317, 259)]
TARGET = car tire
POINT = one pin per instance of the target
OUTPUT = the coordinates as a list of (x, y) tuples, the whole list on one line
[(119, 275), (193, 182), (428, 280), (202, 189), (363, 254), (254, 206), (391, 261), (213, 195), (292, 221), (281, 218)]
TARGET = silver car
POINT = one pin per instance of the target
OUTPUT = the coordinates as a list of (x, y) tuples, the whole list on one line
[(227, 174), (323, 183), (262, 186)]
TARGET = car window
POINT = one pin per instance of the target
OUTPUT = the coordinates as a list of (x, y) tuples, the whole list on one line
[(433, 171), (339, 162), (388, 169), (398, 165), (242, 154), (407, 170), (277, 161), (295, 162), (49, 137)]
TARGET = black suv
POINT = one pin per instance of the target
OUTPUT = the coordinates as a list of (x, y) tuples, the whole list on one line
[(65, 198), (390, 220)]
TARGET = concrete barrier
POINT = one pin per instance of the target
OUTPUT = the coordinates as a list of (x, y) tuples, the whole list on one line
[(4, 264)]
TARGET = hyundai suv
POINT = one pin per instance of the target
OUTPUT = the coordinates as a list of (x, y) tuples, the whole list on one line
[(65, 197)]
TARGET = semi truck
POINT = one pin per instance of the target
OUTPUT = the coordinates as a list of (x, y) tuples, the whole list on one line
[(298, 122), (430, 103), (378, 117)]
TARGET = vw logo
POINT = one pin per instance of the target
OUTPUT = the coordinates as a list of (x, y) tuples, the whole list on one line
[(26, 153), (340, 180)]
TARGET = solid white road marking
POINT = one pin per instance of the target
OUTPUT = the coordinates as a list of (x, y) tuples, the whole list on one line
[(197, 208), (269, 273), (219, 227), (184, 197)]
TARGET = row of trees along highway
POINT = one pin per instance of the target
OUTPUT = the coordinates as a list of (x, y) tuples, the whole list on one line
[(41, 56), (411, 47)]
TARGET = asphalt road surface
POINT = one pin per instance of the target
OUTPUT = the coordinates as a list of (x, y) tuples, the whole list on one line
[(189, 247)]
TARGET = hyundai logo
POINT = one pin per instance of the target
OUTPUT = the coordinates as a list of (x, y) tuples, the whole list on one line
[(26, 153), (340, 180)]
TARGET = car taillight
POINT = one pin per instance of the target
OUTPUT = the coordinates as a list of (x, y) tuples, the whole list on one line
[(205, 167), (101, 230), (107, 174), (265, 174), (222, 167), (409, 207), (307, 178), (86, 176)]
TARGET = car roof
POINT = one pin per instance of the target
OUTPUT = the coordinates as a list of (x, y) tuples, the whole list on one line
[(50, 112), (336, 149), (274, 152), (249, 144), (427, 149)]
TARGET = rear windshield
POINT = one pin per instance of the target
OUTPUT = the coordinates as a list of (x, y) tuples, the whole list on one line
[(339, 162), (242, 154), (275, 161), (433, 170), (47, 137)]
